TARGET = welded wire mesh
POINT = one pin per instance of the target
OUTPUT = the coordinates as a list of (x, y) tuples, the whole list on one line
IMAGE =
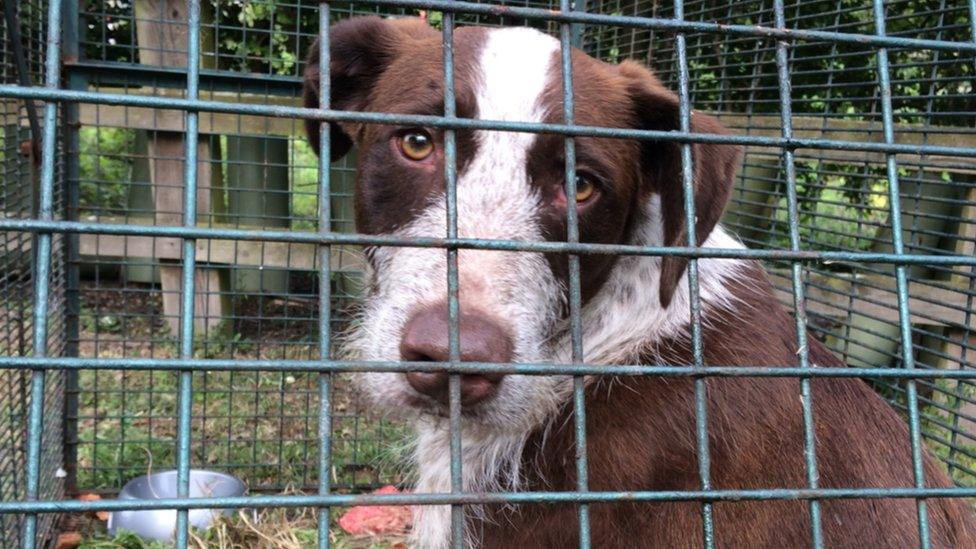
[(20, 170), (257, 330)]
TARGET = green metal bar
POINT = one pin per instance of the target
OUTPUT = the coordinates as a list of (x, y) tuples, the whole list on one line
[(575, 291), (694, 299), (188, 287), (486, 498), (72, 256), (453, 303), (69, 227), (954, 442), (325, 276), (42, 273), (796, 272), (901, 275), (19, 92), (546, 369)]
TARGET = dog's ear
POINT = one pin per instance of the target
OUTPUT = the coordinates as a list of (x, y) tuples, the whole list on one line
[(362, 48), (714, 167)]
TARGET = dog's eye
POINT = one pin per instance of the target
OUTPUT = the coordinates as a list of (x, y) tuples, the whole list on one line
[(416, 144), (585, 187)]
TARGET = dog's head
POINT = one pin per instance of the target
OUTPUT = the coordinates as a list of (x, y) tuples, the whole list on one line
[(509, 186)]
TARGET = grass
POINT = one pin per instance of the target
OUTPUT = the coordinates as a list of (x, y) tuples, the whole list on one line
[(267, 529), (260, 426)]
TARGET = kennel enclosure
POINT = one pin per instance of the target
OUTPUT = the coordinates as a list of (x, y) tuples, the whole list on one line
[(175, 267)]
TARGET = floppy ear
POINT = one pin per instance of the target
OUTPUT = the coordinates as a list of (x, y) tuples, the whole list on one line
[(362, 48), (656, 108)]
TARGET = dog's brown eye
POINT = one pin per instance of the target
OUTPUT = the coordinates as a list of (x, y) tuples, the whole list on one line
[(416, 144), (585, 188)]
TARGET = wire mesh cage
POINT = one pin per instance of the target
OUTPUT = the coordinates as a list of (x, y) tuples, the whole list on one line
[(199, 330), (20, 185)]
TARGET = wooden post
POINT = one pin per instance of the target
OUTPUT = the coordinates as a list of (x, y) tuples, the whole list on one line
[(257, 197), (166, 161), (140, 207), (962, 339), (161, 31)]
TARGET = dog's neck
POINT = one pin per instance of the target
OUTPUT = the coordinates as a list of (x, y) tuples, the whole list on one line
[(621, 324)]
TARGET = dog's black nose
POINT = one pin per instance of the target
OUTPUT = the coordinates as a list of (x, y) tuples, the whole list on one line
[(425, 339)]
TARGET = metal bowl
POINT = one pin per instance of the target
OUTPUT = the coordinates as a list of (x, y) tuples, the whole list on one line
[(160, 524)]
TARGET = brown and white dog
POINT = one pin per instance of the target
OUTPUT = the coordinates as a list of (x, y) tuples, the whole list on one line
[(517, 430)]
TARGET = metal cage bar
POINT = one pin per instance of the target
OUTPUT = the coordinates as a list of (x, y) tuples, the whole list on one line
[(521, 368), (675, 24), (42, 273), (575, 292), (72, 227), (487, 498), (18, 92), (453, 303), (187, 307), (799, 305), (325, 278), (901, 274), (694, 297)]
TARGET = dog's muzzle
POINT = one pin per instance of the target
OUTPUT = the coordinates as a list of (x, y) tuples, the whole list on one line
[(426, 338)]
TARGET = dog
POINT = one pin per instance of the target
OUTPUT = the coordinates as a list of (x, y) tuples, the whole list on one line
[(517, 429)]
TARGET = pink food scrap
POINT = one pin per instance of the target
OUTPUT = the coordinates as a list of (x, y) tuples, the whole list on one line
[(377, 519)]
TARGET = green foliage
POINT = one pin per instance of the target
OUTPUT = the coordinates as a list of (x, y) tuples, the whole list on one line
[(942, 416), (435, 19), (259, 36), (304, 186), (105, 159), (838, 207), (122, 540), (222, 341)]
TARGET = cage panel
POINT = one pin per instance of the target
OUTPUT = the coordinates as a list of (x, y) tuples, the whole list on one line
[(117, 287)]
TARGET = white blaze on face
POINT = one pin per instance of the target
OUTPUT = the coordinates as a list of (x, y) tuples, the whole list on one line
[(494, 201), (495, 197)]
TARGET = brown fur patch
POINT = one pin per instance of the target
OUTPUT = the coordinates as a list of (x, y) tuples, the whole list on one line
[(641, 436)]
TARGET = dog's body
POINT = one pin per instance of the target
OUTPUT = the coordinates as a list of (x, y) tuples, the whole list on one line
[(517, 430), (755, 442)]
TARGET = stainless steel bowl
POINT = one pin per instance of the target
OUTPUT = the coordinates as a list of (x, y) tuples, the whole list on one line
[(160, 524)]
